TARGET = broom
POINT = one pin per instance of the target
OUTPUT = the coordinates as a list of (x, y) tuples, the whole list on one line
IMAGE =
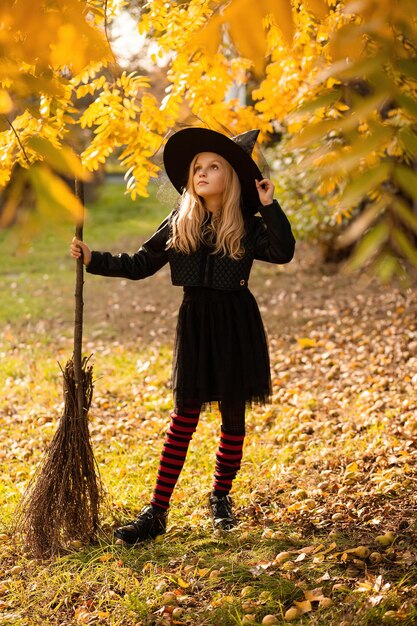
[(61, 503)]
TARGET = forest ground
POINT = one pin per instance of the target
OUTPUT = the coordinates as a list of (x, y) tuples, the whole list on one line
[(326, 495)]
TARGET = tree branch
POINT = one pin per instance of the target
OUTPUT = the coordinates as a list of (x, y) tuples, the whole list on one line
[(18, 139)]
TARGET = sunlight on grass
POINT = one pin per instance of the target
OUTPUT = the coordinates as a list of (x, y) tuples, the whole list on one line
[(38, 281), (324, 472)]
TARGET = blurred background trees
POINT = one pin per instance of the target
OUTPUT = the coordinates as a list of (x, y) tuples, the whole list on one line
[(331, 85)]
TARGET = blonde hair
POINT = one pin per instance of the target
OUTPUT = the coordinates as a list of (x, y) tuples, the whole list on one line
[(227, 228)]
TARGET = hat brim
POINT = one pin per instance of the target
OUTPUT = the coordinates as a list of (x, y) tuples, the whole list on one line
[(184, 145)]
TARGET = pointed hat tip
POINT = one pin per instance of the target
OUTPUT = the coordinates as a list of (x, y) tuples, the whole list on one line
[(247, 140)]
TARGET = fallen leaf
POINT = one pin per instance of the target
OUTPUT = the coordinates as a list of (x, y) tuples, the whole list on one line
[(306, 342), (304, 606), (314, 595)]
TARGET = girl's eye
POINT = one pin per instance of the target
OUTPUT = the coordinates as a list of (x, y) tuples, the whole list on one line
[(215, 167)]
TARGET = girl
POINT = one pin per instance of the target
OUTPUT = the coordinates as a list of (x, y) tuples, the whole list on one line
[(221, 353)]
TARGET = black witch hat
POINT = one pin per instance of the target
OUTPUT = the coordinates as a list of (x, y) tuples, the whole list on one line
[(185, 144)]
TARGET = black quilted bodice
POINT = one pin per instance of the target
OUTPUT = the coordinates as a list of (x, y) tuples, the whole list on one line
[(268, 238), (205, 269)]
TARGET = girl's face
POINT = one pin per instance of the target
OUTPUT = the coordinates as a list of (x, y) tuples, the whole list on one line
[(209, 176)]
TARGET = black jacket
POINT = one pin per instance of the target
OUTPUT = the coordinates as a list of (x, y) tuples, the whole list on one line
[(268, 238)]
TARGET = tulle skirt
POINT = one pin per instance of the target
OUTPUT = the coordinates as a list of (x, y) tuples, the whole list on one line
[(221, 350)]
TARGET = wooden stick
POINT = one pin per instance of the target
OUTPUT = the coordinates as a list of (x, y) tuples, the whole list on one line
[(79, 308)]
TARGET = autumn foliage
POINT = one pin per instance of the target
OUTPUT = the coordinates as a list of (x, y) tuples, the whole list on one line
[(336, 81)]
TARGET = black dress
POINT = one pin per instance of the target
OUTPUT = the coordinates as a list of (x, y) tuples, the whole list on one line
[(221, 351)]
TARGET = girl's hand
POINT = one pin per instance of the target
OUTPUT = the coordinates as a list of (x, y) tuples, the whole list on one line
[(265, 191), (79, 248)]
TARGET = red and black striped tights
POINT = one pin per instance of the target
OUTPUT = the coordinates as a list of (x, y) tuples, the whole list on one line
[(183, 424)]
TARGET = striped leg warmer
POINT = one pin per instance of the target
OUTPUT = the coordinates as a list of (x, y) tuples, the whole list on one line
[(228, 459), (181, 429)]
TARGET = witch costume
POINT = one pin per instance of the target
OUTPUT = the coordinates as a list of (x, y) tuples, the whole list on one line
[(221, 351)]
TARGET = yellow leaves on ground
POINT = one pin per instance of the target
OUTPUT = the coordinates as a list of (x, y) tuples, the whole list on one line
[(84, 614), (355, 404), (313, 600)]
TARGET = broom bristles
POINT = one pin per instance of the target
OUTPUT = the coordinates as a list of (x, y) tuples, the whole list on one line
[(62, 501)]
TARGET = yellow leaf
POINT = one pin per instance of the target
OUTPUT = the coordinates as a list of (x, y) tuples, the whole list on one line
[(147, 567), (364, 586), (108, 556), (11, 203), (6, 104), (295, 507), (311, 549), (319, 558), (203, 571), (294, 127), (222, 600), (318, 7), (352, 467), (331, 82), (83, 90), (304, 606), (62, 159), (183, 583), (331, 547), (245, 21), (54, 197), (306, 342), (227, 599)]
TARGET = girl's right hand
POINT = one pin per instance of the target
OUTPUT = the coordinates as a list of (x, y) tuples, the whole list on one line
[(79, 248)]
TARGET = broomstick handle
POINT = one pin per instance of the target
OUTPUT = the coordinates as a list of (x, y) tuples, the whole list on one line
[(79, 307)]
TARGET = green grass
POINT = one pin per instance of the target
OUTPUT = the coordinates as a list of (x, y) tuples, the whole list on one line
[(37, 281), (291, 485)]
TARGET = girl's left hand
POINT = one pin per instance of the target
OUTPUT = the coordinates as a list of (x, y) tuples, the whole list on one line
[(265, 191)]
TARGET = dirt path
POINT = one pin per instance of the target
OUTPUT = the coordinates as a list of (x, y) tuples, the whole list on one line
[(342, 346), (298, 301)]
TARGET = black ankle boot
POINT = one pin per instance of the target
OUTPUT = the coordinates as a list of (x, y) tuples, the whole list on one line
[(149, 523), (221, 512)]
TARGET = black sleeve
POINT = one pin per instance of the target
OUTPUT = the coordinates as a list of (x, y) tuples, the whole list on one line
[(146, 261), (274, 241)]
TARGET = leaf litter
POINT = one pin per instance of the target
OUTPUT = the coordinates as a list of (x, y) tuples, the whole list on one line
[(332, 512)]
